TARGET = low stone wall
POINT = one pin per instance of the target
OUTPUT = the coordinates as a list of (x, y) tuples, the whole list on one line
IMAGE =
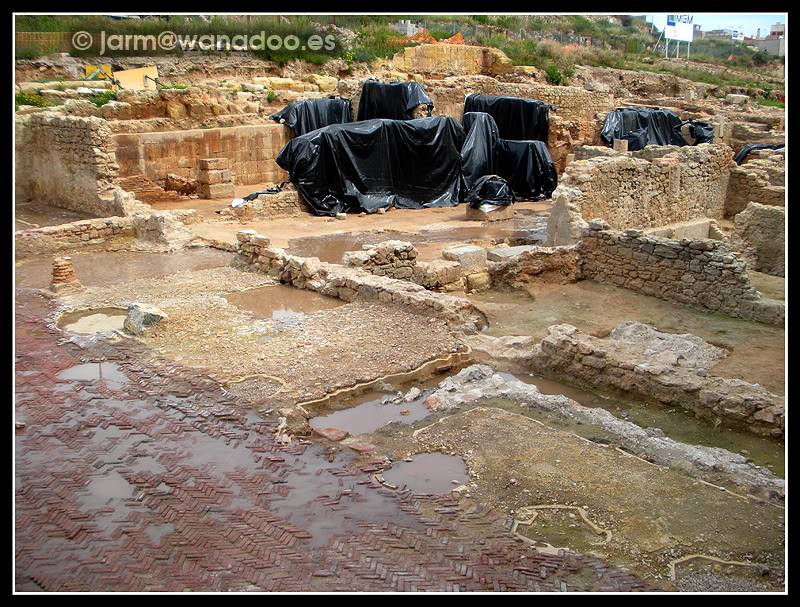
[(761, 178), (759, 237), (251, 150), (667, 377), (159, 230), (351, 284), (701, 273), (697, 229), (90, 232), (67, 162), (660, 185)]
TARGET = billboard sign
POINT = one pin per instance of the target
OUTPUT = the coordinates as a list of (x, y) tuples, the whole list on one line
[(679, 27)]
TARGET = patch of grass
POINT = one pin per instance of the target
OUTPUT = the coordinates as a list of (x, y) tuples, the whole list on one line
[(770, 102), (100, 99), (270, 96), (173, 85)]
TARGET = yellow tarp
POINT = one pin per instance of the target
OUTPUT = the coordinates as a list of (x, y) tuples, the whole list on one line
[(98, 72), (135, 79)]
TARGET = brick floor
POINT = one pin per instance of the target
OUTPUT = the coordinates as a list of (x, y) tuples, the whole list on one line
[(154, 479)]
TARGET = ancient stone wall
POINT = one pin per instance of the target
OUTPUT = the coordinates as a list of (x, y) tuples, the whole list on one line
[(67, 162), (664, 376), (250, 149), (286, 203), (78, 234), (759, 237), (452, 59), (351, 284), (760, 179), (701, 273), (660, 185)]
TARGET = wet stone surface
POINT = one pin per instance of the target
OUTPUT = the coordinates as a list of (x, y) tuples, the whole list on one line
[(154, 478)]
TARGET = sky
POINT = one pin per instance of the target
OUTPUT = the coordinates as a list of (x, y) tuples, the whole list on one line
[(747, 22)]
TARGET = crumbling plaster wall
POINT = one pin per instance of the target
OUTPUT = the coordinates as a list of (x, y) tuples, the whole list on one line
[(704, 274), (251, 149)]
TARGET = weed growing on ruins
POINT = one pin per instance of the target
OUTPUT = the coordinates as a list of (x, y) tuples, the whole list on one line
[(33, 99), (101, 99)]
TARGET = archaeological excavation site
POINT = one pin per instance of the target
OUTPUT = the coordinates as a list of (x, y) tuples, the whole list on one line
[(429, 321)]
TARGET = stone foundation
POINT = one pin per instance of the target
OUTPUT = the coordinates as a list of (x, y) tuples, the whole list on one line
[(533, 264), (701, 273), (351, 284), (627, 361)]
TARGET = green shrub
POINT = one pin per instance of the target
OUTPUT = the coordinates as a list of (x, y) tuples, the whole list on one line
[(33, 99), (553, 75), (270, 96), (100, 99)]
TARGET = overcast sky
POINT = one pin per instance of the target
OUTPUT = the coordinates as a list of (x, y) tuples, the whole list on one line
[(747, 22)]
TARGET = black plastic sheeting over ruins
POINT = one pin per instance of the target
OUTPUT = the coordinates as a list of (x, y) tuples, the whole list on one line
[(311, 114), (393, 100), (364, 166), (516, 118), (750, 147), (489, 191), (642, 126), (525, 164)]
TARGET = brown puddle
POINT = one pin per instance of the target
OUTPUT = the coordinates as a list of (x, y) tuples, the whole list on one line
[(285, 306), (373, 413), (756, 350), (95, 320), (331, 248), (428, 473), (99, 268)]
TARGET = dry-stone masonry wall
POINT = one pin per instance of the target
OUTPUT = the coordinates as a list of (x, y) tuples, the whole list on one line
[(89, 232), (351, 284), (699, 273), (759, 237), (669, 368)]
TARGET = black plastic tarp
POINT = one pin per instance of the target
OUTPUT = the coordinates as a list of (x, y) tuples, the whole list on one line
[(364, 166), (701, 132), (311, 114), (528, 167), (393, 100), (490, 190), (642, 126), (516, 118), (478, 152), (745, 151)]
